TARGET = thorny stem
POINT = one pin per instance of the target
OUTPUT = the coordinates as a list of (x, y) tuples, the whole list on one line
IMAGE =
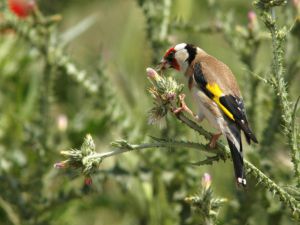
[(44, 105), (158, 144), (278, 36), (162, 88), (222, 152), (260, 177), (9, 210), (30, 32), (45, 89), (166, 18), (215, 27)]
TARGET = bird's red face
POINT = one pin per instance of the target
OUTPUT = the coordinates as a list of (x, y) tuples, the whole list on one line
[(169, 60), (178, 57)]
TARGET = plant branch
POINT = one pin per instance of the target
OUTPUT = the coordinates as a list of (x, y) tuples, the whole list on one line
[(11, 214), (278, 36), (166, 20), (222, 152), (209, 28), (123, 147), (36, 34), (165, 92), (259, 176)]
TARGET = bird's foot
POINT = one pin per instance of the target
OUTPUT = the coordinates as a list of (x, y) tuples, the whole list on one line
[(213, 140), (183, 107)]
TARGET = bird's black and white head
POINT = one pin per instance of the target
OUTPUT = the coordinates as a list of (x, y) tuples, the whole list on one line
[(179, 57)]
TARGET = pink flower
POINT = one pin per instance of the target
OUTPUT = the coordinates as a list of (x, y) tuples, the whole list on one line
[(88, 181), (62, 122), (206, 180), (251, 16), (152, 74), (61, 165), (252, 20), (296, 4), (21, 8)]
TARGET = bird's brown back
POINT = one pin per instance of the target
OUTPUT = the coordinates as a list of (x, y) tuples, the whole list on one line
[(217, 72)]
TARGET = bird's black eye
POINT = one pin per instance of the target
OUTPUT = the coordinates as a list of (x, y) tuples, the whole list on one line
[(170, 57)]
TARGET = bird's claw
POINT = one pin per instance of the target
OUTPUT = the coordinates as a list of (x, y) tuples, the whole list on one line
[(213, 141), (183, 107)]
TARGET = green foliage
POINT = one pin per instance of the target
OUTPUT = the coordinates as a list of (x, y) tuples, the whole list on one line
[(49, 103), (205, 206)]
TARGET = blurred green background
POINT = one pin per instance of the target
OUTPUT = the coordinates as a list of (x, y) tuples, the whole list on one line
[(110, 40)]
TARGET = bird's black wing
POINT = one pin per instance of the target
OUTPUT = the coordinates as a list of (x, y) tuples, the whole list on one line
[(232, 106)]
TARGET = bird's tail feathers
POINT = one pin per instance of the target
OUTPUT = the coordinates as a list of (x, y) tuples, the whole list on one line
[(236, 149), (249, 135), (238, 163)]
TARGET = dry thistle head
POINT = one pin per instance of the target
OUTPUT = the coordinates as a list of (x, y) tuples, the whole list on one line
[(164, 91), (81, 158), (204, 203)]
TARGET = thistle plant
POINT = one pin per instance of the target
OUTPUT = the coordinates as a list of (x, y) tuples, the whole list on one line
[(158, 21), (34, 70), (204, 204), (83, 158), (166, 92), (153, 183)]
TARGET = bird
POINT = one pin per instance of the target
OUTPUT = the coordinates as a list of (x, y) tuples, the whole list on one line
[(217, 96)]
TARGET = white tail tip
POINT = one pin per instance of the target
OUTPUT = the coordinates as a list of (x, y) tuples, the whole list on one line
[(242, 181)]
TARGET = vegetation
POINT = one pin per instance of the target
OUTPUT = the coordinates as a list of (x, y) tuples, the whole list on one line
[(75, 96)]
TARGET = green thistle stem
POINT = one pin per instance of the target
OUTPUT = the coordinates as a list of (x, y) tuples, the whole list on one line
[(278, 36), (166, 20), (123, 147), (260, 177), (36, 34), (222, 151)]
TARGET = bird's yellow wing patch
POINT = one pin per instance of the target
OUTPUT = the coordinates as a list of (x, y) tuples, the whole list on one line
[(217, 93)]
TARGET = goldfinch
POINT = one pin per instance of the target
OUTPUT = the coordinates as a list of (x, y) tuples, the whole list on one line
[(218, 97)]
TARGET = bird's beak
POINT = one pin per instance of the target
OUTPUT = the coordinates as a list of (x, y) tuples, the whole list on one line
[(162, 66)]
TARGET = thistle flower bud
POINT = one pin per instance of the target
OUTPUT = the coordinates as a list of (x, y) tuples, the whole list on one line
[(62, 122), (152, 74), (296, 4), (88, 181), (251, 16), (206, 181), (252, 21), (164, 91), (61, 165), (83, 158)]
